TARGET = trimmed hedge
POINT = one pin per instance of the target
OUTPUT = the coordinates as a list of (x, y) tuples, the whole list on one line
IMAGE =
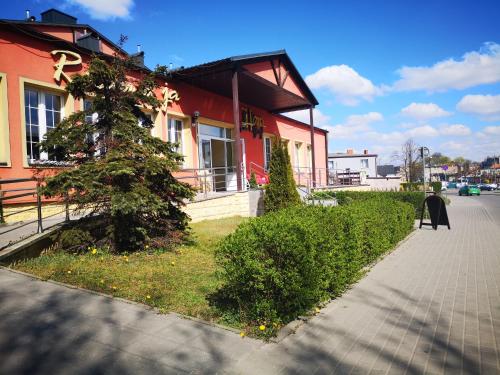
[(415, 198), (278, 266)]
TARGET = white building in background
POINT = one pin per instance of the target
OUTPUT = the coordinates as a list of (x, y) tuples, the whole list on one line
[(349, 161)]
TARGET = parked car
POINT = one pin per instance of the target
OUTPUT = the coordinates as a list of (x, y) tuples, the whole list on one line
[(469, 190), (486, 187), (452, 185)]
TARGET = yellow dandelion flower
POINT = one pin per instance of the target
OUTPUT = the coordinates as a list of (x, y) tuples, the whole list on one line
[(242, 334), (102, 258), (148, 297), (114, 287), (102, 281), (146, 247), (172, 263), (69, 271), (262, 327), (94, 251), (317, 310)]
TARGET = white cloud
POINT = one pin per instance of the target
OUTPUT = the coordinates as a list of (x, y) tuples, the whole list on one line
[(348, 86), (105, 9), (475, 68), (452, 145), (486, 106), (424, 111), (492, 130), (422, 132), (355, 126), (320, 119), (455, 130)]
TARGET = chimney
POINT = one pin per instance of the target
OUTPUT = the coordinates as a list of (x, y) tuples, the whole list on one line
[(365, 152), (350, 151), (27, 14)]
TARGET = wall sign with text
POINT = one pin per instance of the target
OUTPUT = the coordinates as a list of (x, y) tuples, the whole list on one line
[(252, 123)]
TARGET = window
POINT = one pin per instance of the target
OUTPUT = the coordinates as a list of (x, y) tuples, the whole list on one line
[(364, 163), (309, 157), (4, 123), (267, 153), (175, 133), (297, 155), (43, 111)]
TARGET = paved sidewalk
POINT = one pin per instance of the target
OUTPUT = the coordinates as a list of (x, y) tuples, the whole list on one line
[(432, 306)]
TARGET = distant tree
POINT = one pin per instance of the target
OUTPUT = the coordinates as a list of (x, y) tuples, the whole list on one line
[(409, 158), (281, 191), (438, 159), (118, 170)]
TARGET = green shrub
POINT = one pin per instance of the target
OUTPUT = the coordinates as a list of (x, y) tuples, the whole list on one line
[(412, 186), (415, 198), (280, 265), (253, 181), (436, 186), (75, 239), (281, 192)]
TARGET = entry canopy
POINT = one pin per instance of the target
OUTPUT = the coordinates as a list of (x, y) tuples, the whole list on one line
[(265, 80)]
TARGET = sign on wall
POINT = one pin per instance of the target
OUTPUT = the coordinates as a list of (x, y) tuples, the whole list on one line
[(251, 122), (169, 96), (63, 62)]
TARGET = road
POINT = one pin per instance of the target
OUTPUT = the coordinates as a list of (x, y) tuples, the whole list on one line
[(491, 201)]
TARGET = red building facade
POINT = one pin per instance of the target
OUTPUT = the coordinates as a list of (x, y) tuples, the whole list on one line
[(223, 115)]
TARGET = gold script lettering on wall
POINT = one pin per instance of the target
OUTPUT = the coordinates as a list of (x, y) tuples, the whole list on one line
[(169, 96), (63, 61), (251, 122)]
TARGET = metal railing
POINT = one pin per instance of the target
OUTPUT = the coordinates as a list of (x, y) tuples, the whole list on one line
[(211, 180), (20, 192)]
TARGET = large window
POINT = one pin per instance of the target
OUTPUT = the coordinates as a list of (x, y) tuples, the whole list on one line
[(43, 111), (175, 133), (267, 153), (364, 163)]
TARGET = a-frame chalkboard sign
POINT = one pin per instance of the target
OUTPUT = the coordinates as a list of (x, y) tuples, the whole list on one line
[(437, 212)]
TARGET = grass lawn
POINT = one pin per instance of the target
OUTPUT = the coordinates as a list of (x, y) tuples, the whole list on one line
[(177, 280)]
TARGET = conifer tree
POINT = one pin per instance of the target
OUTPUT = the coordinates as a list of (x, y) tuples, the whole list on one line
[(281, 191), (117, 170)]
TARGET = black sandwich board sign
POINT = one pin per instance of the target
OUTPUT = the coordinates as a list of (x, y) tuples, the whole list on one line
[(437, 212)]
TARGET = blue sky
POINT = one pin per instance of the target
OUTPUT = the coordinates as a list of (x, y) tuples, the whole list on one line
[(383, 71)]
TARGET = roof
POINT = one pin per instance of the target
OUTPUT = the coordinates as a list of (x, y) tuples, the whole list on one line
[(344, 155), (216, 76), (73, 26), (25, 28)]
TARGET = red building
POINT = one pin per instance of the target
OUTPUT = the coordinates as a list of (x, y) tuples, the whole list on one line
[(223, 114)]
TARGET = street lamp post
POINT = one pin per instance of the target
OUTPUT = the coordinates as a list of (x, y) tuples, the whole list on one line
[(424, 151)]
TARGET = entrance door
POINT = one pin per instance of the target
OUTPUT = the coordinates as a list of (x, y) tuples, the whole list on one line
[(216, 156)]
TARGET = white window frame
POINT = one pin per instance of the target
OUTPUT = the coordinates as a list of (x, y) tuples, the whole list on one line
[(363, 164), (171, 131), (296, 154), (42, 119), (309, 157), (266, 144)]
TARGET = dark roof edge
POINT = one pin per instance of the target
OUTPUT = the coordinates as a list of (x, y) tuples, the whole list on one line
[(76, 25), (53, 39)]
